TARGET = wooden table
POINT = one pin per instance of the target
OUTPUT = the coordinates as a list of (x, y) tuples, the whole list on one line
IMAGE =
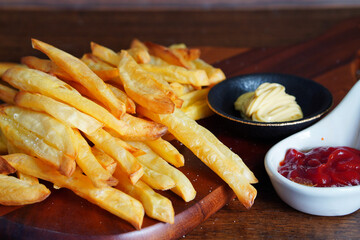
[(333, 63)]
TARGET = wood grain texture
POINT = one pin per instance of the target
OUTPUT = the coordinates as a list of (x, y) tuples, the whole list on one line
[(175, 4), (330, 59)]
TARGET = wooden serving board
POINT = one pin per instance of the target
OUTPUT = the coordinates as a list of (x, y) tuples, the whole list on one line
[(330, 59)]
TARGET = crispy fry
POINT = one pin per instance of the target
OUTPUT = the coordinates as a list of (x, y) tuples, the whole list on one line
[(61, 111), (136, 43), (22, 176), (181, 89), (90, 165), (198, 110), (194, 96), (129, 103), (215, 75), (14, 191), (7, 94), (5, 167), (105, 54), (188, 54), (30, 143), (129, 127), (183, 185), (80, 72), (46, 127), (108, 198), (166, 54), (141, 87), (104, 159), (104, 70), (45, 65), (155, 205), (157, 180), (173, 73), (140, 55), (211, 151), (6, 65), (167, 151), (114, 147)]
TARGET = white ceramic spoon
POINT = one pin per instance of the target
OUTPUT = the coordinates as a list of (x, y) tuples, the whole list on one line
[(341, 127)]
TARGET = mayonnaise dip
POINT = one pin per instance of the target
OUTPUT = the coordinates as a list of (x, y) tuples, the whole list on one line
[(269, 103)]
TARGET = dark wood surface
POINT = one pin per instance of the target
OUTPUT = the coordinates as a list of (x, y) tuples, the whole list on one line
[(331, 60)]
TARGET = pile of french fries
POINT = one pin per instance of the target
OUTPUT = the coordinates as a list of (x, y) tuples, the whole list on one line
[(97, 126)]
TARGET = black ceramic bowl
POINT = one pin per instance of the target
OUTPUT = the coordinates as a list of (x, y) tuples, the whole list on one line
[(314, 100)]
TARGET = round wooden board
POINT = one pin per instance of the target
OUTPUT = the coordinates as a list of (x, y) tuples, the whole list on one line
[(64, 215)]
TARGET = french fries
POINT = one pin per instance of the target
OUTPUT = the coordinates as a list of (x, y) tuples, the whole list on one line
[(90, 165), (167, 151), (5, 66), (111, 199), (115, 148), (35, 145), (141, 87), (19, 192), (81, 73), (155, 205), (38, 82), (211, 151), (61, 111), (5, 167), (7, 94), (183, 186), (94, 125)]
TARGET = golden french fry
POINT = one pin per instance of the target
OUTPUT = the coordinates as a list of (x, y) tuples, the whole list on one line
[(178, 74), (194, 96), (167, 151), (188, 54), (61, 111), (215, 75), (5, 167), (81, 73), (14, 191), (114, 147), (131, 149), (155, 205), (140, 55), (30, 143), (22, 176), (104, 159), (45, 65), (108, 198), (105, 71), (52, 131), (6, 65), (7, 94), (198, 110), (157, 180), (129, 127), (90, 165), (129, 103), (211, 151), (105, 54), (183, 186), (136, 43), (181, 89), (141, 87), (166, 54)]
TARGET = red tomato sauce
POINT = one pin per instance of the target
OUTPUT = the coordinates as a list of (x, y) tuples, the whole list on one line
[(322, 166)]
